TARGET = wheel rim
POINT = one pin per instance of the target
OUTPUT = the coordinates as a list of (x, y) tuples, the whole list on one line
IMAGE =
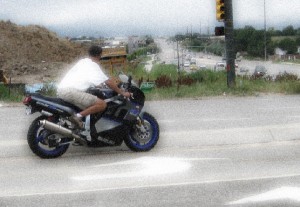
[(42, 142), (143, 137), (144, 140)]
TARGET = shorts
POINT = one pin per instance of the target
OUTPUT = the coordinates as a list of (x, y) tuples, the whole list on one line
[(80, 99)]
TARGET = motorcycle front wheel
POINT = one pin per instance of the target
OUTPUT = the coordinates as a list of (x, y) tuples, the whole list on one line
[(38, 140), (145, 139)]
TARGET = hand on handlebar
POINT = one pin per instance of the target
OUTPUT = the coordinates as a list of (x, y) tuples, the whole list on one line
[(126, 94)]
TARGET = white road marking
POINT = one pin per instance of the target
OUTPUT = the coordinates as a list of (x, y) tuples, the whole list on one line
[(146, 159), (151, 166), (283, 193)]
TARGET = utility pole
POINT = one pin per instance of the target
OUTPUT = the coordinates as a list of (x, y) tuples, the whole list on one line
[(224, 14), (178, 66), (265, 33), (200, 28), (229, 44)]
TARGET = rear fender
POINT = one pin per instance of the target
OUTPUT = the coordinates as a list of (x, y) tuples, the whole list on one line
[(40, 104)]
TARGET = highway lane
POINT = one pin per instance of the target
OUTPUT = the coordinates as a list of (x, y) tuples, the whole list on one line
[(252, 175), (233, 151), (169, 55)]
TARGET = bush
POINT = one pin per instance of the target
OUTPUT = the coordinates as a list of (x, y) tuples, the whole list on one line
[(286, 77), (208, 76), (48, 89), (198, 76), (164, 70), (163, 82), (138, 72), (185, 80)]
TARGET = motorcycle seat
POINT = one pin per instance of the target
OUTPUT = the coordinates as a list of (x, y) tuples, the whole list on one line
[(55, 100)]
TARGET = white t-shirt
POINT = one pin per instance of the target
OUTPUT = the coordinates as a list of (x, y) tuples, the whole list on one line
[(84, 74)]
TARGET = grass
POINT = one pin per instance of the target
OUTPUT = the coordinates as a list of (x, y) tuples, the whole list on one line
[(297, 61), (13, 94), (205, 83), (209, 83), (248, 88), (16, 92)]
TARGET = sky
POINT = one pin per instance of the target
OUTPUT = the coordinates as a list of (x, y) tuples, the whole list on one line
[(108, 18)]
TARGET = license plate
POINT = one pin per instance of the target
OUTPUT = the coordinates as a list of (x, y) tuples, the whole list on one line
[(28, 110)]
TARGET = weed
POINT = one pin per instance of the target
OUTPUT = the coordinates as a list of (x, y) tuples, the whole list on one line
[(14, 93)]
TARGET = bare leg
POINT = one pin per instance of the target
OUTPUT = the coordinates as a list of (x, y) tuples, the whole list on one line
[(99, 106)]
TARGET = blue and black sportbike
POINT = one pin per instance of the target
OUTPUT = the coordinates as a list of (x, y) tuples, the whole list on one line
[(51, 134)]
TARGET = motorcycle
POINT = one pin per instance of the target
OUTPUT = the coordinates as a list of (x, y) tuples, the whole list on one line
[(51, 134)]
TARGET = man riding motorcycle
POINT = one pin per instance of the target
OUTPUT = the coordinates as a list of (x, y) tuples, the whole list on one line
[(111, 115), (84, 74)]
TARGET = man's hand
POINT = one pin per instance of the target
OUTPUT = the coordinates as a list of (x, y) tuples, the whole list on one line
[(112, 83), (126, 94)]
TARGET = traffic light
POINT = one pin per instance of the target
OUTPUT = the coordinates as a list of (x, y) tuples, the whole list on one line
[(220, 10), (219, 31)]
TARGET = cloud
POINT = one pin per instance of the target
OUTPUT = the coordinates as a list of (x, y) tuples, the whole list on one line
[(147, 16)]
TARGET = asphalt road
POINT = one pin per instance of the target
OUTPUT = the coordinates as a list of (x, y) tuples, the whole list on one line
[(221, 151)]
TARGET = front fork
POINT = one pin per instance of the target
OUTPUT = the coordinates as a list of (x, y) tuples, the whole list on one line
[(140, 124)]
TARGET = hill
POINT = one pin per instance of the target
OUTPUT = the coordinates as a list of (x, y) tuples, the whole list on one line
[(32, 53)]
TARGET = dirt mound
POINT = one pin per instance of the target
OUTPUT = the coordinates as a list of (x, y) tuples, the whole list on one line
[(32, 53)]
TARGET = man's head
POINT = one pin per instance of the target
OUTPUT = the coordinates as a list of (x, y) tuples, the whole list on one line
[(95, 51)]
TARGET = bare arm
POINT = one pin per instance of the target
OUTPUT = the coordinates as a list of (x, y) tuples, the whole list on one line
[(113, 84)]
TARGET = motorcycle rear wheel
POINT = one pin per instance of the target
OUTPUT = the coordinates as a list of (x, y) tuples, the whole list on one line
[(38, 141), (139, 141)]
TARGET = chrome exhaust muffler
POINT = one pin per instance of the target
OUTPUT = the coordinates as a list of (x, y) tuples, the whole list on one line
[(61, 130)]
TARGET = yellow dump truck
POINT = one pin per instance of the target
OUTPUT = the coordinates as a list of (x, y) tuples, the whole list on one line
[(113, 57), (113, 51)]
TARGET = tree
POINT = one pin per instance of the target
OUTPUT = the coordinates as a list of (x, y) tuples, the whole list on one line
[(149, 40), (256, 44), (289, 45), (252, 41), (179, 37), (242, 38), (271, 31), (289, 31), (297, 41), (298, 32)]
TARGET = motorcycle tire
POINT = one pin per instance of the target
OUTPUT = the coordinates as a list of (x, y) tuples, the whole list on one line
[(139, 141), (37, 138)]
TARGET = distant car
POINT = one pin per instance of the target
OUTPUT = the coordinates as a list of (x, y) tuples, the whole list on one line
[(193, 61), (188, 57), (244, 69), (220, 66), (260, 71), (202, 67), (186, 64)]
